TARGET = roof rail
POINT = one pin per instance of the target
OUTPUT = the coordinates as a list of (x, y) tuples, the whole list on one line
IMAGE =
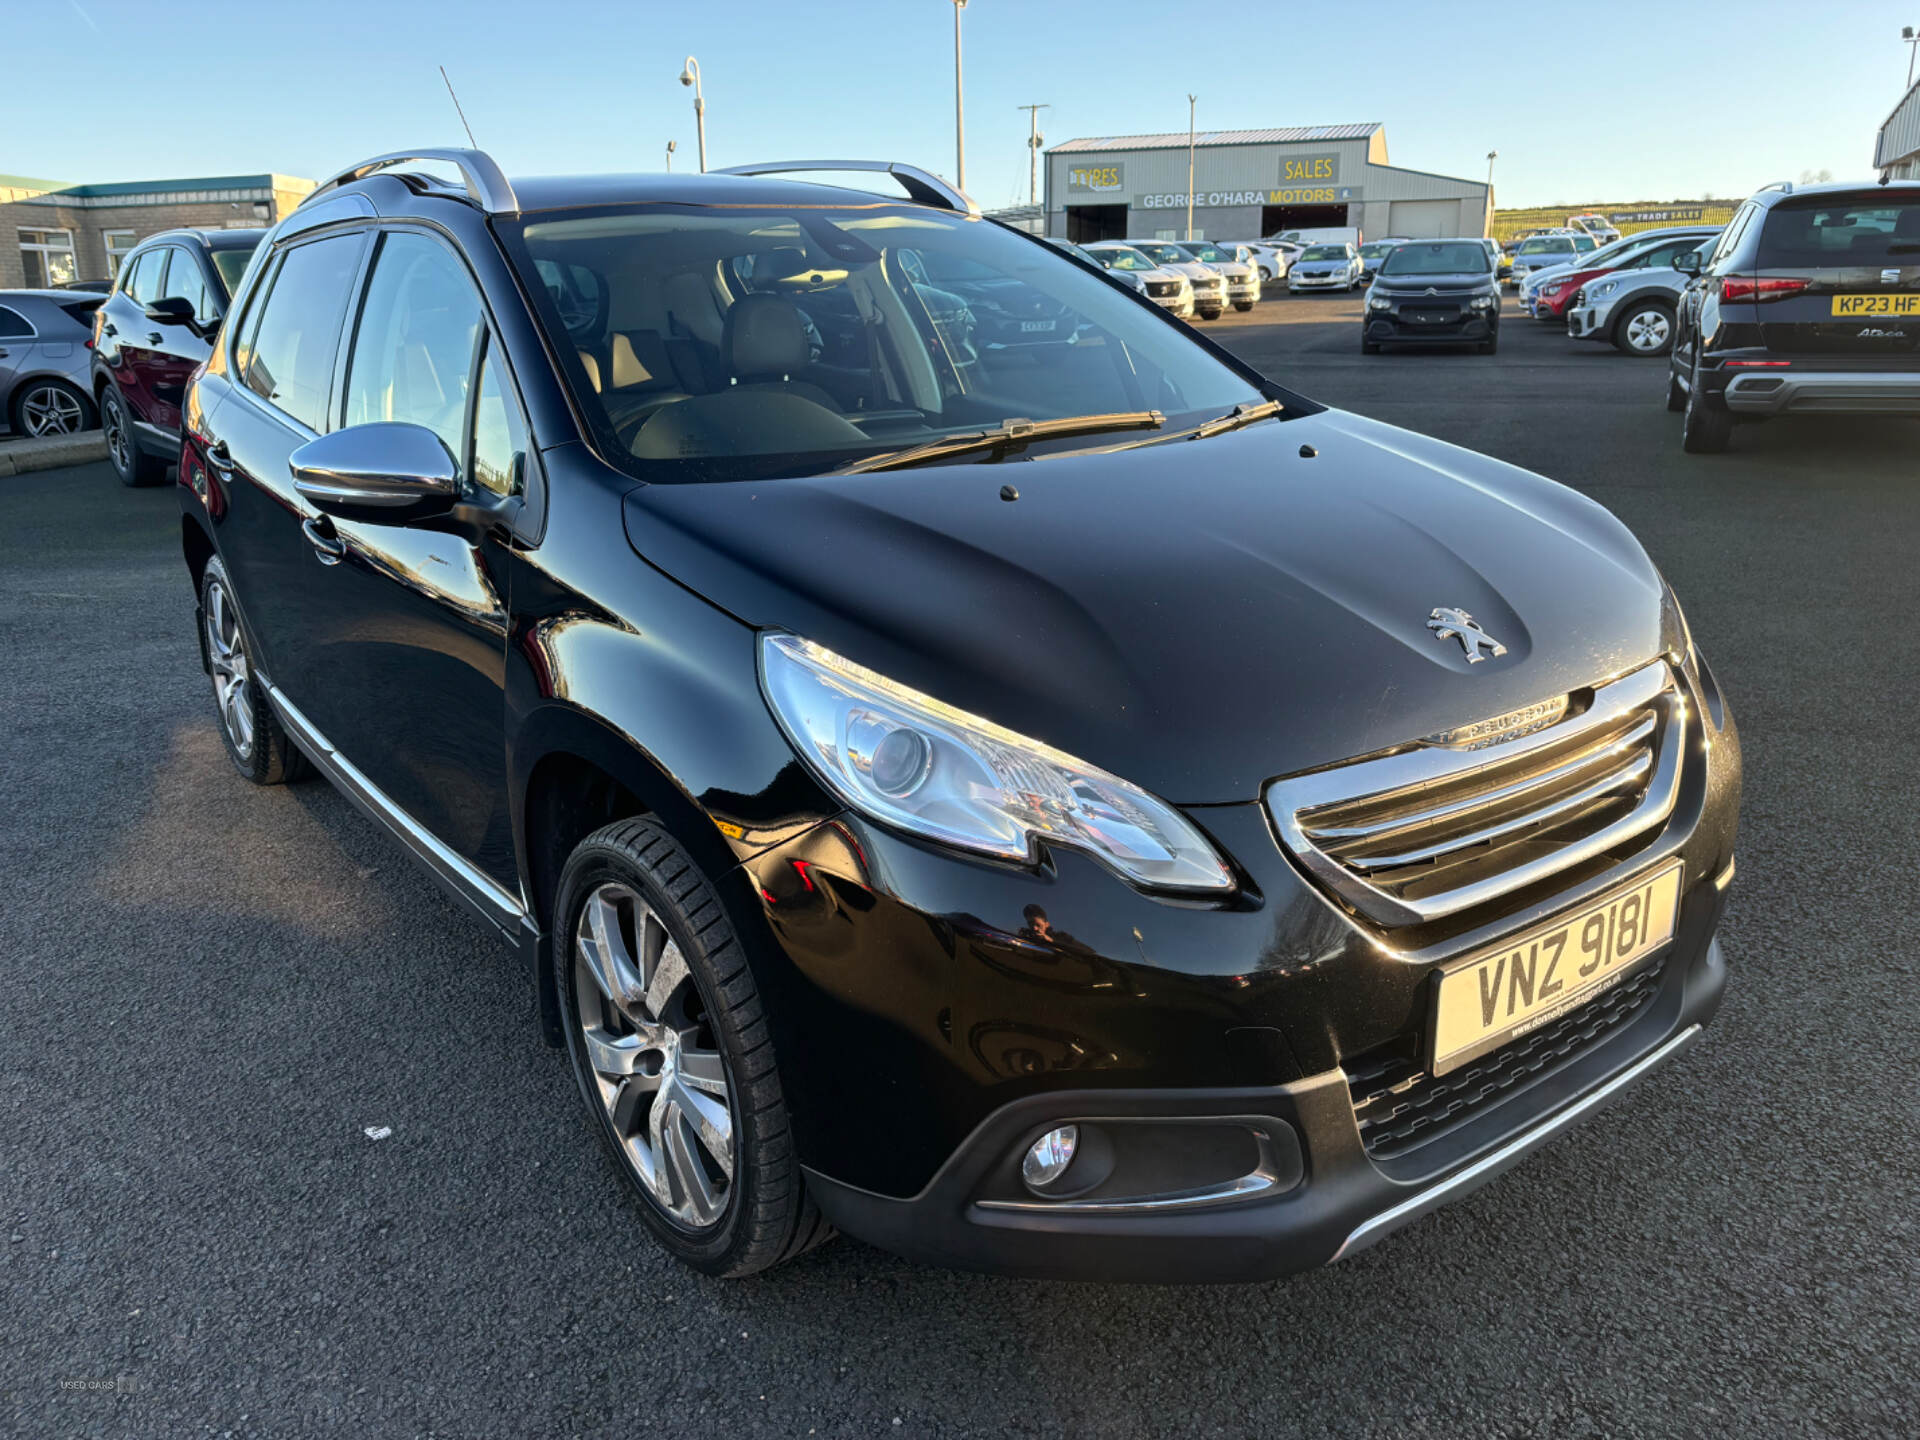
[(487, 185), (921, 185)]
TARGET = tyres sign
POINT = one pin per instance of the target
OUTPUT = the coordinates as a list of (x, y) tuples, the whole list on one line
[(1098, 179)]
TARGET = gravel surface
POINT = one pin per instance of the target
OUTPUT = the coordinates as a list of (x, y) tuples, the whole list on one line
[(209, 992)]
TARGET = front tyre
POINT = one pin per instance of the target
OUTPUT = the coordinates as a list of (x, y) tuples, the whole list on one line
[(259, 748), (1646, 329), (668, 1038)]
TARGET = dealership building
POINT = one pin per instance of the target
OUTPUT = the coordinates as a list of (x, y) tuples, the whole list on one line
[(1896, 149), (1250, 183)]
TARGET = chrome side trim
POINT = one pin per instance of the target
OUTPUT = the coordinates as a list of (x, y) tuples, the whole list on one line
[(485, 896), (487, 184), (1406, 772), (921, 185), (1510, 1154), (1263, 1179)]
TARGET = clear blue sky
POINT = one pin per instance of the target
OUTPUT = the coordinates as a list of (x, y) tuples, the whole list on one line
[(1682, 97)]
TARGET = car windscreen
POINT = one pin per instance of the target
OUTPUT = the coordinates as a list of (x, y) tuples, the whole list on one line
[(231, 263), (1163, 253), (1124, 260), (1830, 232), (1438, 257), (1546, 245), (728, 343), (1377, 249), (1210, 254), (1325, 252)]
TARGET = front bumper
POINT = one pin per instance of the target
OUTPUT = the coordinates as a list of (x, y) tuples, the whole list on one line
[(1792, 390), (1472, 327), (1248, 289), (1590, 322), (1325, 1198), (1213, 299), (1318, 282)]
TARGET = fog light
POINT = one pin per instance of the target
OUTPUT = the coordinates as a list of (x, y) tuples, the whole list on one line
[(1048, 1157)]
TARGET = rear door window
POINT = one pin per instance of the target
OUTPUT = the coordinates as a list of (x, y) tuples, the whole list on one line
[(1841, 233), (290, 361), (13, 325)]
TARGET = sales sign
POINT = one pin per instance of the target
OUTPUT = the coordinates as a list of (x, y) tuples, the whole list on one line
[(1304, 169)]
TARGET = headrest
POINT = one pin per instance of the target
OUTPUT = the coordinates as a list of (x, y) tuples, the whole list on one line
[(592, 367), (639, 358), (765, 338), (1907, 227)]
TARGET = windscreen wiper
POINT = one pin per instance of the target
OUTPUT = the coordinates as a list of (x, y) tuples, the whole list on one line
[(1006, 433), (1219, 425)]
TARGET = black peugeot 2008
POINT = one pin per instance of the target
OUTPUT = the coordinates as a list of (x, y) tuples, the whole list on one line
[(1219, 833)]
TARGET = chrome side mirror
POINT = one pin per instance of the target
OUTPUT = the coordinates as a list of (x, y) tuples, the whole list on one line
[(383, 471)]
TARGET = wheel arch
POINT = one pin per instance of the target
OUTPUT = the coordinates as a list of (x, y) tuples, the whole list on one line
[(578, 774), (196, 546)]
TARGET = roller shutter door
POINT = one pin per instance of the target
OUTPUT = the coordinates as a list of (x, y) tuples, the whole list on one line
[(1423, 219)]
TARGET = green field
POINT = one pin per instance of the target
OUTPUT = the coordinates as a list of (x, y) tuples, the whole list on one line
[(1652, 214)]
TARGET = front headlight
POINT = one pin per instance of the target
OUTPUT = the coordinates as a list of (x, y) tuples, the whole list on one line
[(1605, 287), (1481, 302), (1379, 302), (908, 760)]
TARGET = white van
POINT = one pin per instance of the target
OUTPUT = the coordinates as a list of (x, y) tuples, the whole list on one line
[(1331, 235)]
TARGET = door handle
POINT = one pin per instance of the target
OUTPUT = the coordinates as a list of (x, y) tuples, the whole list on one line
[(328, 547), (220, 458), (153, 337), (107, 327)]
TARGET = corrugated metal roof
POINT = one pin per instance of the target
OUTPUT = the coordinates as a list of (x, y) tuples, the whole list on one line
[(1177, 139), (1900, 136)]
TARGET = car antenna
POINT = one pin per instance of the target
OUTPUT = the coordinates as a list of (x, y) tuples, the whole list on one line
[(458, 111)]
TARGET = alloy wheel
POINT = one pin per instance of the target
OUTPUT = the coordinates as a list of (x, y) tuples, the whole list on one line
[(52, 410), (657, 1067), (114, 423), (1648, 332), (232, 677)]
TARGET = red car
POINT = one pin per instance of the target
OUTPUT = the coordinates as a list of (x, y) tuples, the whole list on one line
[(1554, 297)]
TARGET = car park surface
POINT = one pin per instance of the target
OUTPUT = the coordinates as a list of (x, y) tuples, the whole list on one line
[(224, 1233)]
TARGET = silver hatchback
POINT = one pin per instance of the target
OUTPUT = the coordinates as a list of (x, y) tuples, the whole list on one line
[(43, 361)]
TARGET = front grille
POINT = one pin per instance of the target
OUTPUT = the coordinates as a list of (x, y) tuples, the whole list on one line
[(1163, 287), (1398, 1105), (1210, 282), (1432, 314), (1441, 826)]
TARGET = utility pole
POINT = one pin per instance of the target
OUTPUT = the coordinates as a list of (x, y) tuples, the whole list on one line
[(959, 105), (1190, 105), (1033, 150)]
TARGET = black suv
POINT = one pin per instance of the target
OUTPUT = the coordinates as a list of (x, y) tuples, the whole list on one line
[(1810, 303), (1433, 292), (1188, 858), (153, 331)]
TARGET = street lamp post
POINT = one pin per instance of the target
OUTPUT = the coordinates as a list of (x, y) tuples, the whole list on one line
[(1492, 155), (959, 105), (690, 75), (1913, 40), (670, 147), (1190, 105), (1034, 141)]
